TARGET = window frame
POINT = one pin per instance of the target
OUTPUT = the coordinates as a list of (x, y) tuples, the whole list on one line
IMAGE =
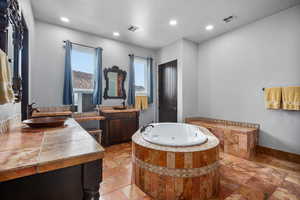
[(80, 91), (145, 91)]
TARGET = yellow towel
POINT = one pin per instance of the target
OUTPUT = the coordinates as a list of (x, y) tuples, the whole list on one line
[(273, 98), (141, 102), (291, 98), (6, 91)]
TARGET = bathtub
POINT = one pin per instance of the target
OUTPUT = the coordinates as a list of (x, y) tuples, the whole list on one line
[(176, 161), (174, 134)]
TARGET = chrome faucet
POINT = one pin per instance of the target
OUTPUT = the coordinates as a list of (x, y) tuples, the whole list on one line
[(31, 109), (146, 126)]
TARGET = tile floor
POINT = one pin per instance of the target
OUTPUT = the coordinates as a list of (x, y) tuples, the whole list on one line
[(264, 178)]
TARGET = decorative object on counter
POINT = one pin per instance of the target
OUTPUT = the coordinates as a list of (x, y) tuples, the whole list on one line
[(237, 138), (45, 122), (115, 79), (97, 94), (119, 125), (131, 82), (273, 97), (10, 13), (68, 87), (291, 98), (6, 91), (141, 102), (190, 172)]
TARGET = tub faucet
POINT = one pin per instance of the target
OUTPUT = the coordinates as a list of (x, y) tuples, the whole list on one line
[(146, 126)]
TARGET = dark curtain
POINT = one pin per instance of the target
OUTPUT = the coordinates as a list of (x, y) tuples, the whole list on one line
[(97, 95), (68, 87)]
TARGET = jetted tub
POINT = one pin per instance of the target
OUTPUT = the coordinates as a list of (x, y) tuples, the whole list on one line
[(176, 161), (174, 134)]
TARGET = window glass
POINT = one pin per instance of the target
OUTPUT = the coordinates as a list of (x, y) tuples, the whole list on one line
[(140, 70), (83, 68), (83, 72)]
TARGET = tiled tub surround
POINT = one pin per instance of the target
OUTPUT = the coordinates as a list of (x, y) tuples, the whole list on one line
[(167, 173), (236, 138), (25, 151)]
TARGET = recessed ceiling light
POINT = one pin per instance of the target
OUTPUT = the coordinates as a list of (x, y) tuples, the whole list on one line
[(116, 34), (209, 27), (64, 19), (173, 22)]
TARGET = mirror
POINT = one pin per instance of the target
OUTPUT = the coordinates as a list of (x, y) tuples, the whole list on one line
[(115, 79), (11, 40)]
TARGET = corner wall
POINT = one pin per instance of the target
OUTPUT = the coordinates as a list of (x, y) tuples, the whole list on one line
[(234, 67), (185, 52)]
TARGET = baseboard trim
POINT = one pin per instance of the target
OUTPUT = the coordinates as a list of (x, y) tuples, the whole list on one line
[(292, 157)]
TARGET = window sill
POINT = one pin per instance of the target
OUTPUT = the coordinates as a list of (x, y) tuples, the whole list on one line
[(85, 91), (141, 94)]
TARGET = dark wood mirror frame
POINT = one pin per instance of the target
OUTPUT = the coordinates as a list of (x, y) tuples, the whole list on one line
[(10, 13), (119, 71)]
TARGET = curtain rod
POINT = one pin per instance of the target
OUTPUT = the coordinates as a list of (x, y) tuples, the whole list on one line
[(139, 56), (83, 45)]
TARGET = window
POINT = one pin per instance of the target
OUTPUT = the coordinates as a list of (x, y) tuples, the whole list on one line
[(83, 72), (140, 74)]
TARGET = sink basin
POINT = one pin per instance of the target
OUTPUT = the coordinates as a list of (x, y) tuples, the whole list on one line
[(45, 122), (119, 107)]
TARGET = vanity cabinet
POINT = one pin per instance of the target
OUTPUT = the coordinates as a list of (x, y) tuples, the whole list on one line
[(119, 125)]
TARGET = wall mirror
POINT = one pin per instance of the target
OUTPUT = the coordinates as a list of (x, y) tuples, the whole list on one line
[(13, 33), (114, 78)]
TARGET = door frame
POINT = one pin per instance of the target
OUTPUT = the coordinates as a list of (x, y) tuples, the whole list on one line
[(158, 103), (25, 70)]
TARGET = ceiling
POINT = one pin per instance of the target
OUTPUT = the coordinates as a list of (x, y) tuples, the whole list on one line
[(102, 17)]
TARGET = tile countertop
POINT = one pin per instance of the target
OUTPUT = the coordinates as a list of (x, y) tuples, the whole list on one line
[(119, 111), (26, 151)]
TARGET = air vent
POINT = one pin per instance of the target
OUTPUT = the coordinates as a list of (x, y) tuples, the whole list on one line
[(133, 28), (229, 19)]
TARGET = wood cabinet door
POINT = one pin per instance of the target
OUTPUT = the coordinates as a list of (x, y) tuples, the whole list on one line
[(129, 127), (115, 134), (121, 130)]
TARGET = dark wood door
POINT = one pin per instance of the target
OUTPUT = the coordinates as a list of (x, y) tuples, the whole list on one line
[(168, 92)]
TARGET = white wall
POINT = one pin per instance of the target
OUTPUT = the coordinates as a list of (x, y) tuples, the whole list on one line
[(185, 52), (233, 69), (189, 55), (48, 67), (8, 111)]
